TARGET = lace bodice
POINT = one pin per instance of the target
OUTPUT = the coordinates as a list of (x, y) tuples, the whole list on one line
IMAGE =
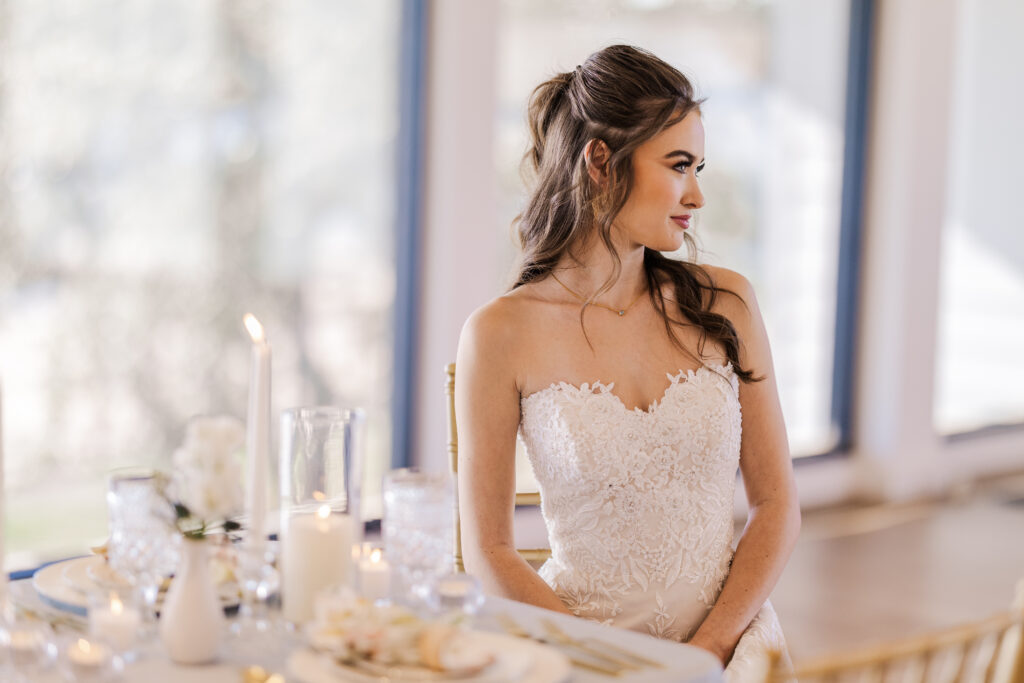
[(638, 504)]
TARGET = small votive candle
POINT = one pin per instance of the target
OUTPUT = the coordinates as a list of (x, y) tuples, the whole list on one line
[(114, 622), (375, 576), (457, 592), (87, 657)]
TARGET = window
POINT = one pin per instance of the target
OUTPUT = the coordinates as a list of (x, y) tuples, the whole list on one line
[(775, 76), (168, 167), (979, 373)]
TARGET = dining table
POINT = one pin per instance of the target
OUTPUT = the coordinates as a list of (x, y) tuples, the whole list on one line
[(663, 660)]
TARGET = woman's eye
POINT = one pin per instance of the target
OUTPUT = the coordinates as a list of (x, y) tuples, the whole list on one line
[(683, 165)]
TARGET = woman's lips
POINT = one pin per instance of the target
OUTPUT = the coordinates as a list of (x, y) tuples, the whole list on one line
[(682, 221)]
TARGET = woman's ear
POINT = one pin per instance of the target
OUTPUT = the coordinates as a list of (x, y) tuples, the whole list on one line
[(597, 154)]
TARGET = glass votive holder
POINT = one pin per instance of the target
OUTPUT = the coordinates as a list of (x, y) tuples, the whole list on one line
[(115, 619), (418, 530), (320, 476), (456, 593), (27, 647)]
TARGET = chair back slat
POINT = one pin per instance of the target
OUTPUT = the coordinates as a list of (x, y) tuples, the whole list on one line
[(453, 459), (987, 651), (961, 667), (997, 647)]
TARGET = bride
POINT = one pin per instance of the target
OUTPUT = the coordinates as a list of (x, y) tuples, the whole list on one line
[(638, 383)]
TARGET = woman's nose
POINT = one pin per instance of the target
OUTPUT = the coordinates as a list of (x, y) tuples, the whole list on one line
[(693, 197)]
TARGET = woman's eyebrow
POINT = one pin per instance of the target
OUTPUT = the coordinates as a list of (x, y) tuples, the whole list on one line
[(682, 153)]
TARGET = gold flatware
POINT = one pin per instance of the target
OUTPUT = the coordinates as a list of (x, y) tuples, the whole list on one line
[(395, 674), (560, 636), (257, 674), (513, 628), (54, 620), (601, 645)]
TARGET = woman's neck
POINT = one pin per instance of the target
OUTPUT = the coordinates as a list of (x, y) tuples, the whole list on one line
[(589, 268)]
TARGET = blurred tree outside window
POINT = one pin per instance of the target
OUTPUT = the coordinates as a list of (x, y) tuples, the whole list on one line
[(774, 74), (166, 167)]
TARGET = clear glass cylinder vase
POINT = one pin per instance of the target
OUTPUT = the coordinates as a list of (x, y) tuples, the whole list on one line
[(321, 465)]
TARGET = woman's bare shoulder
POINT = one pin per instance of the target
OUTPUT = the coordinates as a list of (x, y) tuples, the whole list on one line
[(502, 322), (739, 294)]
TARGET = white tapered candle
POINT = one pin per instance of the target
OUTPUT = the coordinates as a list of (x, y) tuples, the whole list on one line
[(257, 446)]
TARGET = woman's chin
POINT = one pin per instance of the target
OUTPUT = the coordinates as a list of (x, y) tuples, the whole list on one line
[(668, 245)]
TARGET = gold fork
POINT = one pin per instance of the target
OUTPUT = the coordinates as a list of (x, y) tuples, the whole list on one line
[(513, 628), (559, 634)]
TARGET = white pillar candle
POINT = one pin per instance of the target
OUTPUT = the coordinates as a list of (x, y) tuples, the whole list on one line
[(115, 623), (374, 576), (257, 443), (317, 554)]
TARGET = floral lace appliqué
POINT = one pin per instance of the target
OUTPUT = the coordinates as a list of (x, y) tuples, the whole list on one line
[(634, 500)]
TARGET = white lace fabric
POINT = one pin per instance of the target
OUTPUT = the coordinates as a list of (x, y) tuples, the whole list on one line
[(639, 504)]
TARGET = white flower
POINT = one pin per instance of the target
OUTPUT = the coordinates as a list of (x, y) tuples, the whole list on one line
[(207, 476)]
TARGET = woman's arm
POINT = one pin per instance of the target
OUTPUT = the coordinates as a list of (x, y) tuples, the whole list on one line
[(774, 519), (487, 409)]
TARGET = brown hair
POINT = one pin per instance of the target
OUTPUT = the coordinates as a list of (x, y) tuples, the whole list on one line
[(622, 96)]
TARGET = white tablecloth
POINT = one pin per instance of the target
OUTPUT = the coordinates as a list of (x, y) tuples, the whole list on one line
[(683, 663)]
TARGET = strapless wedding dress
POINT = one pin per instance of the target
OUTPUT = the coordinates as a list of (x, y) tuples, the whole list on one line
[(639, 505)]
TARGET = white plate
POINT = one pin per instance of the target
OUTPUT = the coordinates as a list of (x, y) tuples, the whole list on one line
[(55, 590), (78, 574), (519, 660), (67, 585), (105, 577)]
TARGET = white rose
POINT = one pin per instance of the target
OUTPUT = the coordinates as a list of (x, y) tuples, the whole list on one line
[(207, 472)]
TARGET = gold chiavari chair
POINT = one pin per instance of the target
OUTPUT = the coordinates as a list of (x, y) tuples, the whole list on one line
[(532, 555), (987, 651)]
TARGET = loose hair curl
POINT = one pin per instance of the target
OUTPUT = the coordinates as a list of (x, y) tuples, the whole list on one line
[(622, 96)]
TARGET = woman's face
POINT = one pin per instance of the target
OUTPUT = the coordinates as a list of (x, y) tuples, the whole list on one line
[(665, 191)]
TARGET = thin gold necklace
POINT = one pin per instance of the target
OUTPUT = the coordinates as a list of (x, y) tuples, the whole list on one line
[(620, 311)]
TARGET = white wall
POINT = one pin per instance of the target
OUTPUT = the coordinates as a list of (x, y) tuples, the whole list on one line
[(897, 454), (461, 250)]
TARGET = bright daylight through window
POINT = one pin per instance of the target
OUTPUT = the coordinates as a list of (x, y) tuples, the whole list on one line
[(167, 167), (979, 376), (774, 116)]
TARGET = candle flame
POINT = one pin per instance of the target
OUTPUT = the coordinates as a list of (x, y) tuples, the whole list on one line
[(116, 606), (375, 556), (323, 512), (254, 327), (318, 496), (84, 645)]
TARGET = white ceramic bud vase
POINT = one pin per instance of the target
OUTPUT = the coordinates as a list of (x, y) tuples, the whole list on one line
[(192, 620)]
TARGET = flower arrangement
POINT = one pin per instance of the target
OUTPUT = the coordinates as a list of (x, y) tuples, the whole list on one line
[(351, 629), (205, 486)]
